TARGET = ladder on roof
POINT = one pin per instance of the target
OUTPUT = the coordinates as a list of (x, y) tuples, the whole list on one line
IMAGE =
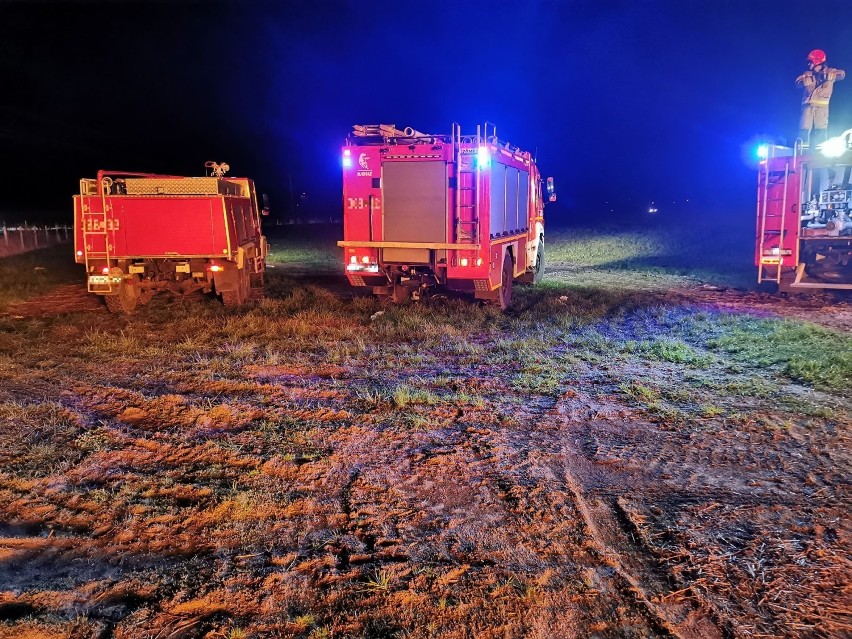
[(377, 130), (96, 223), (773, 240), (467, 192)]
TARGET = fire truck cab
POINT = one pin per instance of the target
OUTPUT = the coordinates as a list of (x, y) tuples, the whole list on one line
[(804, 215), (426, 211)]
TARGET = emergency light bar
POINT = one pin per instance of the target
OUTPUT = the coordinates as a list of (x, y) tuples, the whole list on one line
[(483, 157)]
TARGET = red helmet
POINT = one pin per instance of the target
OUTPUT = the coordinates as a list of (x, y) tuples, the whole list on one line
[(817, 56)]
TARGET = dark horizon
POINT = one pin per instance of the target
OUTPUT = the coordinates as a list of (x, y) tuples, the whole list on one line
[(639, 101)]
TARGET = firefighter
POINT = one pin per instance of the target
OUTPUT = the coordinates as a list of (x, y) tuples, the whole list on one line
[(818, 83)]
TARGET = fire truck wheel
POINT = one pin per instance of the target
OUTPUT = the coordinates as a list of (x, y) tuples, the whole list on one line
[(828, 272), (124, 302), (538, 273), (504, 293)]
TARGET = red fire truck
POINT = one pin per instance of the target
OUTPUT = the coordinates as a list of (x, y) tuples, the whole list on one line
[(139, 234), (421, 211), (804, 216)]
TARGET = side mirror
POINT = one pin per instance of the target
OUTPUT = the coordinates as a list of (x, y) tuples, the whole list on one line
[(265, 209), (551, 190)]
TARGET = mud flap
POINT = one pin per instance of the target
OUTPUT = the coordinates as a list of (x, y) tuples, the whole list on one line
[(227, 280), (487, 296)]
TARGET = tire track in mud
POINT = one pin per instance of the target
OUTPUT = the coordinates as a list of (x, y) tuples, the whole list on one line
[(638, 481), (70, 298), (825, 308), (564, 453), (634, 566)]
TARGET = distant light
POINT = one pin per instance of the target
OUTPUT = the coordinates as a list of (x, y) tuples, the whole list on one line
[(479, 262), (763, 151), (464, 261), (347, 161), (105, 270), (365, 259), (652, 209), (353, 260), (483, 156), (79, 253), (215, 268), (346, 153)]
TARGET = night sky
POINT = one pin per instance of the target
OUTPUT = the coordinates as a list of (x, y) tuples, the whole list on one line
[(624, 101)]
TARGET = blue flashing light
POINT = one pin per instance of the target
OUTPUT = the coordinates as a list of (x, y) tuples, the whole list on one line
[(483, 157), (347, 161), (763, 151)]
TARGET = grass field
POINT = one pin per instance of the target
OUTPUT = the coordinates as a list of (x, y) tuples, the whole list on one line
[(640, 447)]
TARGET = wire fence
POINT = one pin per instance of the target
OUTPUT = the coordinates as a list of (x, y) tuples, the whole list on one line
[(20, 239)]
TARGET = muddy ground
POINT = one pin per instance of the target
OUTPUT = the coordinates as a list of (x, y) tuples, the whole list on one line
[(830, 309), (382, 492)]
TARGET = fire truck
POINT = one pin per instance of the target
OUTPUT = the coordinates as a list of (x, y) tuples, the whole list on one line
[(424, 212), (804, 215), (139, 234)]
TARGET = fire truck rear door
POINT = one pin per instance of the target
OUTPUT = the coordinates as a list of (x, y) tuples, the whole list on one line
[(414, 196)]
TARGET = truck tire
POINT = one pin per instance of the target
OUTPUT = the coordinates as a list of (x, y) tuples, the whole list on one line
[(535, 274), (834, 272), (239, 295), (504, 293), (538, 272), (123, 302)]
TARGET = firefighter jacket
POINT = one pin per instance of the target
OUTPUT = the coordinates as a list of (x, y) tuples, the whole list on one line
[(818, 85)]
